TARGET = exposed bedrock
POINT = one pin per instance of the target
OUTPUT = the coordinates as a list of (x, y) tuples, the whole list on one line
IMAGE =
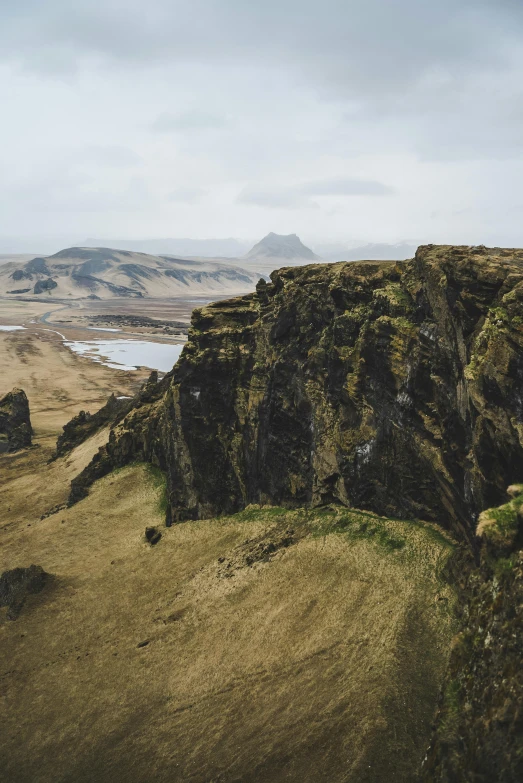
[(391, 386), (15, 423)]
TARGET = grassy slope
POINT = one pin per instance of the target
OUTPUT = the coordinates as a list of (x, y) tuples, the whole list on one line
[(319, 660)]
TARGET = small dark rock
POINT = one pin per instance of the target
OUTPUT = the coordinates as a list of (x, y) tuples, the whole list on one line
[(143, 644), (17, 584), (152, 535)]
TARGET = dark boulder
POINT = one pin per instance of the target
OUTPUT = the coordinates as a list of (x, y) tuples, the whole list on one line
[(152, 535), (17, 584), (15, 423)]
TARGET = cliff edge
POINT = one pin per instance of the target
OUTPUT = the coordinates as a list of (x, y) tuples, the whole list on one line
[(388, 386)]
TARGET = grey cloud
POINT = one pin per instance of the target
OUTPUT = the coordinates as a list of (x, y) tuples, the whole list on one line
[(193, 120), (302, 195), (374, 46), (109, 155), (216, 95), (345, 187), (187, 195), (65, 192), (390, 59), (275, 199)]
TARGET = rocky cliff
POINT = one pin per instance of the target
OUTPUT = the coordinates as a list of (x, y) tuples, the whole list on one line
[(479, 727), (15, 423), (392, 386)]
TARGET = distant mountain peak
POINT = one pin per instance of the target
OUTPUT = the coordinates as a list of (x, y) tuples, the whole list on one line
[(281, 246)]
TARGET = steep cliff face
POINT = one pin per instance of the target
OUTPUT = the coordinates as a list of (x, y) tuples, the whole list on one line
[(391, 386), (478, 732)]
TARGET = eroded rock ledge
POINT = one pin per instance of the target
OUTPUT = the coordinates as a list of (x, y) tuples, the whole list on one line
[(390, 386)]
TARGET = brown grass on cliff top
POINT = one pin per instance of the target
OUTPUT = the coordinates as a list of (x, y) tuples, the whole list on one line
[(281, 646)]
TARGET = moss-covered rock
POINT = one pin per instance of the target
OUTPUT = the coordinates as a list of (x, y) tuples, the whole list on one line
[(390, 386), (502, 527), (478, 733)]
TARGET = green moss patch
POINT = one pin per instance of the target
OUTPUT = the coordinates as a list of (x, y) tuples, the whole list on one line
[(500, 526), (159, 481)]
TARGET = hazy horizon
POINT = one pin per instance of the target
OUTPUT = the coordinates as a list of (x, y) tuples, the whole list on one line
[(207, 246)]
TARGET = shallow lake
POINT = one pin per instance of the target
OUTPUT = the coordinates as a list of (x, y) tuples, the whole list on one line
[(11, 328), (128, 354)]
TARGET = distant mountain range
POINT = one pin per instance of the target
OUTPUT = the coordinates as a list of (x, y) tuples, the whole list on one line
[(104, 273), (274, 247)]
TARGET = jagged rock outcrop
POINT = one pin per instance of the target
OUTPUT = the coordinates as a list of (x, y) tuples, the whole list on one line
[(392, 386), (85, 424), (15, 422), (479, 727)]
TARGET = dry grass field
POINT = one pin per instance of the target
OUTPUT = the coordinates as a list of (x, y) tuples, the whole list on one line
[(318, 659)]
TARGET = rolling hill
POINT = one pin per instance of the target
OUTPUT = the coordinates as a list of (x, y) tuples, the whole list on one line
[(104, 273)]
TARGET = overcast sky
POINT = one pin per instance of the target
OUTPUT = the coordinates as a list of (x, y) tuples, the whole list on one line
[(365, 120)]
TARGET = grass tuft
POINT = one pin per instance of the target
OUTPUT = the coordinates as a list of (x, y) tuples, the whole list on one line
[(358, 525), (158, 480), (254, 513)]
